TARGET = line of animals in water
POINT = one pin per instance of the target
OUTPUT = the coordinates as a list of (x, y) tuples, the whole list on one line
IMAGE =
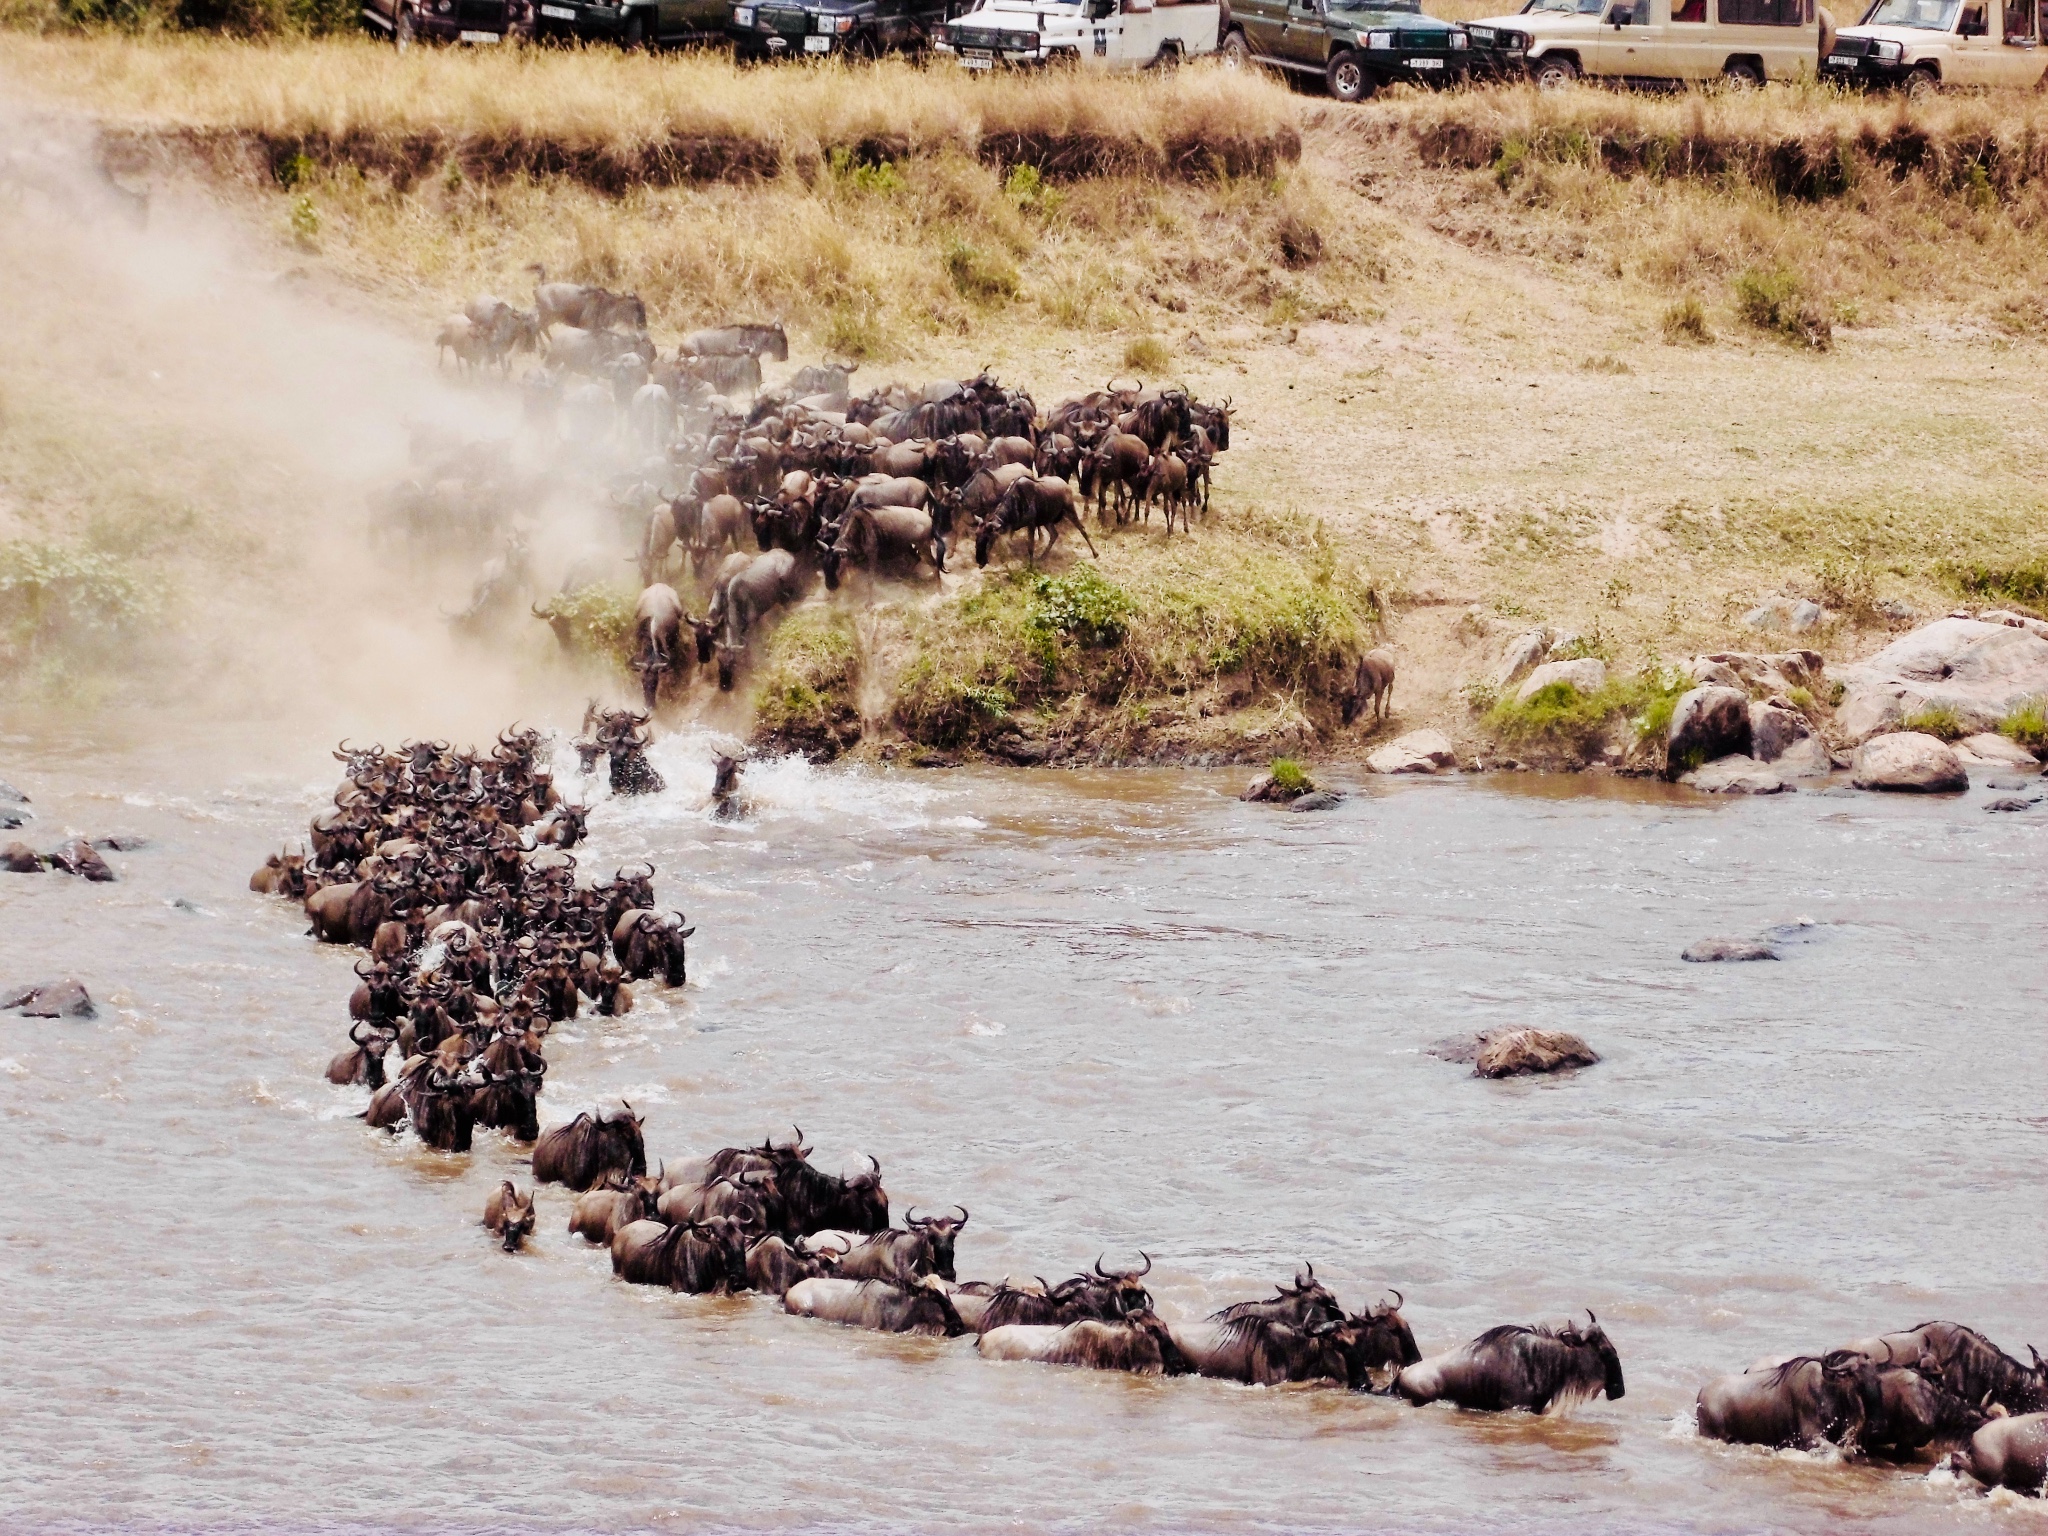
[(439, 862)]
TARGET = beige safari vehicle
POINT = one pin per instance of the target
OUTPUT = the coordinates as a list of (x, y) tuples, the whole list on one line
[(1921, 45), (1745, 42)]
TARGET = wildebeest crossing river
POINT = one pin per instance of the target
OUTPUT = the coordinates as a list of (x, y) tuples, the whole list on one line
[(1109, 1012)]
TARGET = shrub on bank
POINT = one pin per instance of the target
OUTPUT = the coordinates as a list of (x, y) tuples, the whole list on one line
[(1937, 720), (1558, 717), (2028, 725), (63, 605), (804, 695)]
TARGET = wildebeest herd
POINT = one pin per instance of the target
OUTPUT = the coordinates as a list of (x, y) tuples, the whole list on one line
[(452, 870), (754, 494)]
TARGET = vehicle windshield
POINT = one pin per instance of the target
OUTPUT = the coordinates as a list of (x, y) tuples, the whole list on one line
[(1564, 7), (1928, 15), (1409, 7)]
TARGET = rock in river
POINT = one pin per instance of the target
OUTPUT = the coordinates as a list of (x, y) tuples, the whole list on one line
[(1980, 671), (1706, 951), (1513, 1052), (1269, 790), (1988, 747), (1736, 775), (1318, 800), (65, 999), (20, 859), (1416, 752), (78, 857), (1708, 723), (1911, 762)]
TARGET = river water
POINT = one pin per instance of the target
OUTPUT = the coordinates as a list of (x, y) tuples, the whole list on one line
[(1108, 1012)]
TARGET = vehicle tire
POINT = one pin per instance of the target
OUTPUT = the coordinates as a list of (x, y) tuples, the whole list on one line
[(1168, 57), (1553, 72), (1742, 75), (633, 37), (1236, 51), (402, 35), (1922, 82), (1348, 78)]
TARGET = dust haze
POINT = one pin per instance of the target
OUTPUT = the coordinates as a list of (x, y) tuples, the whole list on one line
[(177, 391)]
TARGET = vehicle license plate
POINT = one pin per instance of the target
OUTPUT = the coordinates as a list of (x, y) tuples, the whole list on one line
[(1841, 61), (816, 44), (1425, 63), (479, 37), (558, 12), (978, 60)]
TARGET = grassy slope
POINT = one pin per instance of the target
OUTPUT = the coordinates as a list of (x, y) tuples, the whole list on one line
[(1461, 369)]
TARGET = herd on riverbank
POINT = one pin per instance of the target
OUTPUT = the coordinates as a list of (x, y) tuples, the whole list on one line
[(454, 871)]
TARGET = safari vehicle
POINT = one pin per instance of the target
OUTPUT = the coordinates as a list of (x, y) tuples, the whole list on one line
[(635, 23), (819, 28), (1098, 32), (1353, 46), (449, 21), (1919, 45), (1745, 42)]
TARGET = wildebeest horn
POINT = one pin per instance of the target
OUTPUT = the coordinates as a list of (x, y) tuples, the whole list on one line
[(963, 1214), (910, 1217), (1397, 1299), (876, 1162), (1591, 1318), (1099, 1269), (1148, 1263)]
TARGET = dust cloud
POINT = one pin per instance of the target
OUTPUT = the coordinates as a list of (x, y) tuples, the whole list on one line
[(178, 392)]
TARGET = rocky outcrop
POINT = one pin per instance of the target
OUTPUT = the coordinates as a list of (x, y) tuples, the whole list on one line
[(1416, 752), (1515, 1052), (1980, 671), (1990, 750), (65, 999), (1266, 789), (1911, 762), (79, 857), (1525, 651), (1588, 675), (1795, 614), (20, 859), (1710, 722), (1807, 758), (1736, 774), (1709, 951), (1775, 725), (1318, 800)]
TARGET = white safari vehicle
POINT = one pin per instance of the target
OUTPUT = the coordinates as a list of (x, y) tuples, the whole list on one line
[(1743, 41), (1922, 44), (1127, 33)]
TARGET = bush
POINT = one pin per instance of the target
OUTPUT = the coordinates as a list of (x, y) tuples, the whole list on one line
[(1558, 715), (2021, 583), (59, 594), (1776, 301), (2028, 725), (804, 698), (596, 621), (1147, 354), (977, 274), (1935, 720), (1289, 776), (1687, 321)]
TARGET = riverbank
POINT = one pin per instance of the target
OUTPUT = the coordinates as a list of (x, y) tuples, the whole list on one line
[(1564, 384)]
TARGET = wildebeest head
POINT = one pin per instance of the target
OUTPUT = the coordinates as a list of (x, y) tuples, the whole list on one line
[(1128, 1295), (985, 535), (940, 1233), (1379, 1337), (514, 1212), (728, 664), (1593, 1337)]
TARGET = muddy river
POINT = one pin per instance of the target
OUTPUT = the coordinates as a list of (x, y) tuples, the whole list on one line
[(1108, 1012)]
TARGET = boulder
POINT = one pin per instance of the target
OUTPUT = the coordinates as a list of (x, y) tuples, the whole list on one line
[(1265, 789), (1710, 669), (65, 999), (1318, 800), (1807, 758), (78, 857), (1513, 1052), (1463, 1049), (1523, 652), (1416, 752), (1708, 723), (1707, 951), (1588, 675), (1981, 671), (2008, 803), (12, 816), (20, 859), (2012, 620), (1736, 775), (1795, 614), (1774, 726), (1998, 751), (1911, 762)]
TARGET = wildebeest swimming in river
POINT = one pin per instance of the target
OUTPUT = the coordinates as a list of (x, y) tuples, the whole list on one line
[(1103, 1296), (1797, 1404), (583, 1151), (907, 1257), (1965, 1362), (508, 1215), (1140, 1344), (1517, 1366), (877, 1304), (2009, 1453), (689, 1256)]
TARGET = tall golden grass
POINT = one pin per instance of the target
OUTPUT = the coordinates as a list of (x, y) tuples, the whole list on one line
[(616, 121)]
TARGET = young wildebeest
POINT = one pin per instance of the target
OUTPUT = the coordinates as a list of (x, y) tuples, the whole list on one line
[(2009, 1453), (1517, 1366), (1140, 1344), (620, 1201), (508, 1214), (690, 1256), (774, 1264), (583, 1151), (876, 1304), (1372, 688), (1799, 1404), (907, 1257)]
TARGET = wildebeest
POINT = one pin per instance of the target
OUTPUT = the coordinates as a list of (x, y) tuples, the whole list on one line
[(650, 943), (872, 534), (768, 581), (363, 1062), (1800, 1403), (1262, 1352), (1104, 1296), (439, 1105), (585, 307), (1965, 1362), (1140, 1344), (689, 1256), (1916, 1411), (775, 1263), (742, 340), (904, 1257), (2009, 1453), (658, 620), (508, 1214), (583, 1151), (1372, 687), (619, 1201), (1032, 502), (1517, 1366), (509, 1100), (876, 1304)]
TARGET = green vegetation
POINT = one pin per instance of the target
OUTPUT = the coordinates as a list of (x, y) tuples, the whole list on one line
[(2028, 725), (977, 274), (1774, 299), (65, 608), (1558, 716), (804, 698), (1147, 355), (1686, 321), (596, 620), (1290, 777), (1935, 720), (2022, 582)]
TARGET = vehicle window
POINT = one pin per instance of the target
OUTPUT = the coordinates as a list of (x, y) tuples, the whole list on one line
[(1929, 15), (1692, 10), (2019, 20), (1566, 7), (1763, 13), (1972, 24)]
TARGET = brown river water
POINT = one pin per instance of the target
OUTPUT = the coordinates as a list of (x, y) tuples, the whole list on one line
[(1109, 1012)]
